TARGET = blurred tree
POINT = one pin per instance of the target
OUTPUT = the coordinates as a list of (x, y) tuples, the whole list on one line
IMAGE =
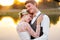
[(57, 0), (46, 5), (20, 6), (54, 18)]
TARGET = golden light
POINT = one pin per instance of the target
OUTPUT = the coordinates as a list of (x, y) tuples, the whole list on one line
[(18, 21), (39, 1), (48, 0), (22, 1), (6, 2), (8, 22), (59, 3)]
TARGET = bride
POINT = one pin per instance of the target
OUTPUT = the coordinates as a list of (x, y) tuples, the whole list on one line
[(24, 29)]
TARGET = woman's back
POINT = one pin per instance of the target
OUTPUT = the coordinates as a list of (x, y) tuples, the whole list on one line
[(24, 35)]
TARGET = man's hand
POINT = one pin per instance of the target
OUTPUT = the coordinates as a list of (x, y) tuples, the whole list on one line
[(39, 19)]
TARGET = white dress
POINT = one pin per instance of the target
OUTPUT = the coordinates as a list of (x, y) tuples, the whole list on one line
[(24, 36)]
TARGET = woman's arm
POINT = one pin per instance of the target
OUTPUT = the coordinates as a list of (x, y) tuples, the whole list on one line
[(45, 24), (32, 32), (39, 20)]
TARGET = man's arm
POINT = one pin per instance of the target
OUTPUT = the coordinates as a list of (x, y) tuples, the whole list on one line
[(45, 24)]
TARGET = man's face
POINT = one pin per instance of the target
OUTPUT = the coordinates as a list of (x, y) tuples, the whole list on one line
[(30, 7)]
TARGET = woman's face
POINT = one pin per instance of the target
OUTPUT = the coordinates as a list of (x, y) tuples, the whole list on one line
[(28, 17)]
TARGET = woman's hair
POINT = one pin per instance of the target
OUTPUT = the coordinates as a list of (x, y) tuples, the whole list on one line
[(22, 13)]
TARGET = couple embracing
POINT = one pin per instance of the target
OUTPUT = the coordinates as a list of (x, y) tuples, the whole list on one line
[(33, 25)]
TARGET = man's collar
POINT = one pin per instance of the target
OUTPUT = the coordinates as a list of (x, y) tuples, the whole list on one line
[(37, 14)]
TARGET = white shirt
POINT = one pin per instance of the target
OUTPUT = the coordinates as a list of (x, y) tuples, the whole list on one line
[(33, 20), (45, 24)]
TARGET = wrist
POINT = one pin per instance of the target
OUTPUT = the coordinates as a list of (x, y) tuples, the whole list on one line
[(38, 25)]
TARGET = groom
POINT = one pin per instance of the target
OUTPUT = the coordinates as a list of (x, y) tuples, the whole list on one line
[(31, 6)]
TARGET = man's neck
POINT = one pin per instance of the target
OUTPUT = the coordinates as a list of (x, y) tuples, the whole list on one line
[(34, 14)]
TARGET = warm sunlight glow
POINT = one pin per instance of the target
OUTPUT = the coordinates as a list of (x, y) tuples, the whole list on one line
[(6, 2), (58, 22), (48, 0), (8, 21), (26, 0), (38, 1), (22, 1), (18, 21), (59, 3)]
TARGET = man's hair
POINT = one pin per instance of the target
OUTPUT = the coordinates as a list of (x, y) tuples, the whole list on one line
[(30, 1)]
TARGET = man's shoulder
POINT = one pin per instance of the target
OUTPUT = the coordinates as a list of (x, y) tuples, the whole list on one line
[(45, 16)]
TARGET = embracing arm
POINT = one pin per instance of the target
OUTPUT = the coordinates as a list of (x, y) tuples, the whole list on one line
[(45, 24), (32, 32)]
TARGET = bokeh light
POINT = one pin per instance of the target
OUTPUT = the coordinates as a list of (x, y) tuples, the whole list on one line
[(11, 2), (59, 3), (6, 2), (8, 21), (39, 1), (49, 0), (22, 1)]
